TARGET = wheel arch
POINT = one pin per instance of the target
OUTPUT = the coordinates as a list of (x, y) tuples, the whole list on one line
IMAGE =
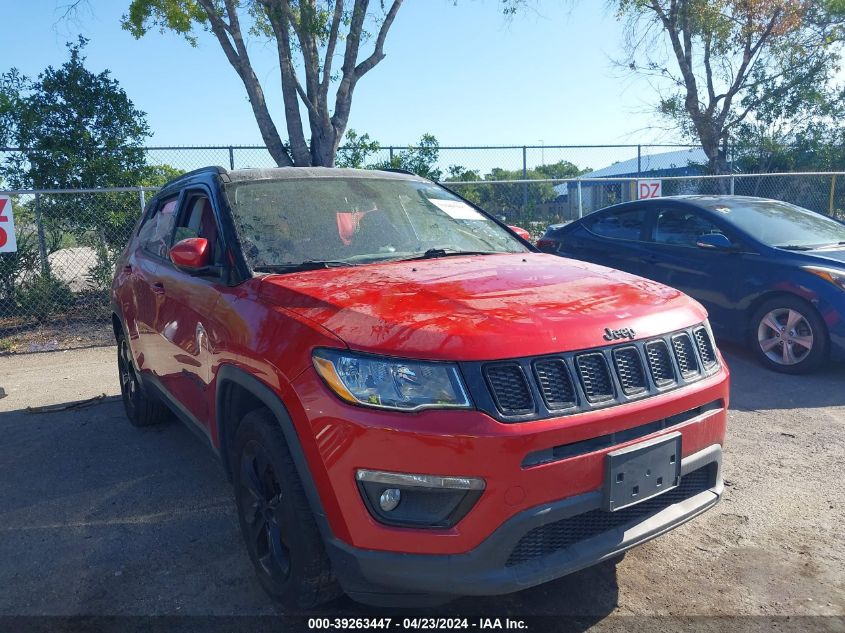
[(238, 393)]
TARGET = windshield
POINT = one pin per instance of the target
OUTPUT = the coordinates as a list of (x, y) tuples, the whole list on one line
[(357, 220), (781, 224)]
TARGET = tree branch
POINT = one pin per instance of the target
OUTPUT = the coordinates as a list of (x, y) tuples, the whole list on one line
[(749, 54), (378, 52), (238, 57), (275, 12), (330, 48)]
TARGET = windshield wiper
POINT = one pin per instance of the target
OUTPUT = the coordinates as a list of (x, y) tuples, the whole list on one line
[(434, 253), (291, 267), (795, 247), (810, 247)]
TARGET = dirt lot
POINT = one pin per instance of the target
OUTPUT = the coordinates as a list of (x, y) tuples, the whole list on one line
[(97, 517)]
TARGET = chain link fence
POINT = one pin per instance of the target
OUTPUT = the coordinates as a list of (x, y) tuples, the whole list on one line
[(483, 160), (54, 291), (534, 204)]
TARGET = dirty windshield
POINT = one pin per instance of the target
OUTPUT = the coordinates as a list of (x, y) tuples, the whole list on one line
[(284, 223)]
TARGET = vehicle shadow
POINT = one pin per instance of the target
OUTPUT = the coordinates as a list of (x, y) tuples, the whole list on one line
[(756, 388), (578, 600)]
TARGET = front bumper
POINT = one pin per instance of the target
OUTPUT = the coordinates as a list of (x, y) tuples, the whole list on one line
[(492, 568), (505, 562)]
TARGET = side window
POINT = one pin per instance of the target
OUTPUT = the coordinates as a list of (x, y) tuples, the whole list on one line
[(197, 220), (156, 232), (681, 228), (622, 225)]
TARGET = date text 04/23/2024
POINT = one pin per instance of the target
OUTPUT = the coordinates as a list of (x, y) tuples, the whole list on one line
[(417, 624)]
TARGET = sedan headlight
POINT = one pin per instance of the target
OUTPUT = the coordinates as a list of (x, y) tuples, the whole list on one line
[(836, 277), (391, 383)]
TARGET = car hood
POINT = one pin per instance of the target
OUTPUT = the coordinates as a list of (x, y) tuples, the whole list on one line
[(835, 257), (480, 307)]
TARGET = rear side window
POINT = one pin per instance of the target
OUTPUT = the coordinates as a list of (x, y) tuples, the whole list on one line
[(622, 225), (156, 232), (681, 228)]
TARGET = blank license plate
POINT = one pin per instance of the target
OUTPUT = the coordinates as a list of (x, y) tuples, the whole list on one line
[(642, 471)]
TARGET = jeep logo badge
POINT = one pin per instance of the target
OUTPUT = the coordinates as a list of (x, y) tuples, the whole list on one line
[(615, 335)]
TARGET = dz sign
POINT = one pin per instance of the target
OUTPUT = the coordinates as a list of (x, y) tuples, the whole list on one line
[(7, 226), (649, 189)]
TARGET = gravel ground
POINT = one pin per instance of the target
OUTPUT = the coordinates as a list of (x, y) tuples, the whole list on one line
[(97, 517)]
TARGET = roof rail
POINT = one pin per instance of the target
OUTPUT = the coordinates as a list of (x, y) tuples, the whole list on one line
[(398, 170)]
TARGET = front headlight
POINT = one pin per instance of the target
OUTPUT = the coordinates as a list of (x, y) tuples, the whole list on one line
[(391, 383), (836, 277)]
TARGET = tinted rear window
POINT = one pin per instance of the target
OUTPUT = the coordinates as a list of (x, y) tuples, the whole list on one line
[(620, 225)]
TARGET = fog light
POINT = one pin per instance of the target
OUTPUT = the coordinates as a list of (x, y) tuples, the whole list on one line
[(389, 499), (411, 500)]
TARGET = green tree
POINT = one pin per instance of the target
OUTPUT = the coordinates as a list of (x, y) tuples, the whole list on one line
[(306, 34), (356, 150), (420, 159), (76, 128), (158, 175), (732, 62), (519, 200)]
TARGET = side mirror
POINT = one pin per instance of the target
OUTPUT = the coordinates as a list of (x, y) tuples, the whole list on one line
[(191, 255), (715, 241), (521, 232)]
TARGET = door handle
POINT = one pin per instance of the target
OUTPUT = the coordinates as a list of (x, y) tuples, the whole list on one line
[(158, 288)]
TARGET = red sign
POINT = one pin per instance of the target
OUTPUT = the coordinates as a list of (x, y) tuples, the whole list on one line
[(8, 244), (649, 189)]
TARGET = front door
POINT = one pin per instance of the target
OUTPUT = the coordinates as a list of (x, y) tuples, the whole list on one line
[(709, 275), (189, 324)]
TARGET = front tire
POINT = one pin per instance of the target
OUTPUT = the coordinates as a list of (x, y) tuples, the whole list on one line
[(788, 335), (279, 530)]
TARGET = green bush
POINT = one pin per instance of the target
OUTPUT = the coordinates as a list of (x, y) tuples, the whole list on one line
[(44, 296), (13, 267)]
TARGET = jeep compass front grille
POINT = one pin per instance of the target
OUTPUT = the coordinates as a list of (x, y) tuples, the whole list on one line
[(595, 376), (687, 362), (630, 370), (555, 384), (509, 387), (562, 384), (660, 363), (705, 347)]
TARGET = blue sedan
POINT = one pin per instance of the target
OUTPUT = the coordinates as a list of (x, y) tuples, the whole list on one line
[(769, 273)]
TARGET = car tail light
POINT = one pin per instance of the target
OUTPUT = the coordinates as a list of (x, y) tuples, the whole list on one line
[(546, 243)]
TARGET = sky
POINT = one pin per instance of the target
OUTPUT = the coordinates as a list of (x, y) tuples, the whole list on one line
[(458, 70)]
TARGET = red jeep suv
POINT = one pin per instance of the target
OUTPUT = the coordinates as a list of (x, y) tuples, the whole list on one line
[(411, 402)]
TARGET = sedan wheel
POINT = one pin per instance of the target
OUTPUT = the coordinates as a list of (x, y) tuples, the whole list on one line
[(788, 335), (785, 336)]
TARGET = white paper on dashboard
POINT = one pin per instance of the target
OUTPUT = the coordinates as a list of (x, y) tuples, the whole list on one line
[(456, 209)]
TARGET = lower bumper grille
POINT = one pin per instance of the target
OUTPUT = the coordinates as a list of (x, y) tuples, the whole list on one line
[(553, 537)]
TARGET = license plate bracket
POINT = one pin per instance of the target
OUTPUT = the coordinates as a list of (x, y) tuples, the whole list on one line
[(642, 471)]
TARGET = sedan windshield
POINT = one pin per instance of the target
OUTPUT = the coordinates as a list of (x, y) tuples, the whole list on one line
[(321, 222), (781, 224)]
